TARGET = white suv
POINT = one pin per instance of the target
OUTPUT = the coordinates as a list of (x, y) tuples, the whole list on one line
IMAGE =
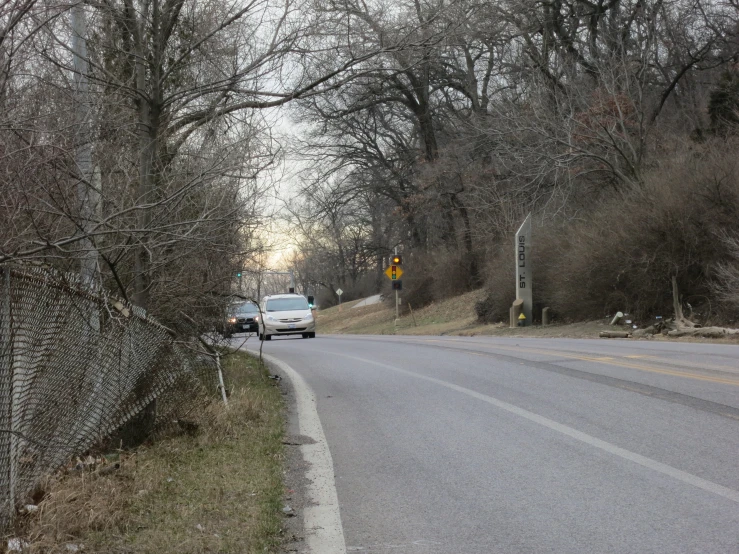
[(286, 314)]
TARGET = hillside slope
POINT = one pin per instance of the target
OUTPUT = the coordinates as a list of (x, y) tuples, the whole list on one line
[(453, 316)]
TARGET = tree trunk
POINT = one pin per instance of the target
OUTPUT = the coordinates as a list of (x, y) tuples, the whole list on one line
[(680, 320), (149, 128), (426, 125), (472, 265)]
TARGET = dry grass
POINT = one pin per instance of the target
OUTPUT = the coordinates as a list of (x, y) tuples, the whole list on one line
[(453, 316), (346, 319), (217, 490), (444, 317)]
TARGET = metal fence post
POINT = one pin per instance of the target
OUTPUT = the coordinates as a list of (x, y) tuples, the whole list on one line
[(220, 379)]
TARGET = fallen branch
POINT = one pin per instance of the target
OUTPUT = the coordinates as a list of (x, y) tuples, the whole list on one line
[(615, 334), (706, 332), (683, 327)]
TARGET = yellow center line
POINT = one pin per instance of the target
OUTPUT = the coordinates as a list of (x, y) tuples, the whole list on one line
[(648, 368), (676, 373), (709, 367), (653, 358), (614, 362)]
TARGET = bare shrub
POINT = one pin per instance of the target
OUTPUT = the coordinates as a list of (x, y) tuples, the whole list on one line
[(431, 277), (325, 299), (726, 280), (500, 285), (362, 287), (623, 254), (453, 273), (418, 291), (488, 311)]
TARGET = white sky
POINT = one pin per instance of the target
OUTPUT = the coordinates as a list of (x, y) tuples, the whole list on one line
[(286, 180)]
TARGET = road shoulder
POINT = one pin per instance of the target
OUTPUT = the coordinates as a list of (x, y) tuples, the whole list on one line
[(311, 475)]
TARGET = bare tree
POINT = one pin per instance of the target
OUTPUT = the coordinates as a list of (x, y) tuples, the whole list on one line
[(173, 123)]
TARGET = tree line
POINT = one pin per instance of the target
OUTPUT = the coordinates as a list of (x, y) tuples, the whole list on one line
[(612, 121), (133, 146)]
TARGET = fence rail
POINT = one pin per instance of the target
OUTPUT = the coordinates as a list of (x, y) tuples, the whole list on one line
[(76, 367)]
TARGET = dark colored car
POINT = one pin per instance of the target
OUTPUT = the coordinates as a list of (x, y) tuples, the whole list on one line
[(242, 318)]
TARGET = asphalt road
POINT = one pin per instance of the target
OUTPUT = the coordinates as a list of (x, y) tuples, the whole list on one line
[(484, 445)]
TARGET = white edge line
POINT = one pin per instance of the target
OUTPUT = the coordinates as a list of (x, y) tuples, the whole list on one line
[(324, 533), (659, 467)]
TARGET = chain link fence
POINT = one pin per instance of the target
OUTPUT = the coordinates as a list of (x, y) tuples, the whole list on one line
[(77, 367)]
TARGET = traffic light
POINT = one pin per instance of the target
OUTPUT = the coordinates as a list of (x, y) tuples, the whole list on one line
[(238, 274), (396, 259), (311, 302), (397, 285)]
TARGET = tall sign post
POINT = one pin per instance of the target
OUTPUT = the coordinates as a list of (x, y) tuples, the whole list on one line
[(523, 270), (394, 271)]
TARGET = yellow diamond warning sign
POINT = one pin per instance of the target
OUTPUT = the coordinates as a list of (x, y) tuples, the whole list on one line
[(394, 272)]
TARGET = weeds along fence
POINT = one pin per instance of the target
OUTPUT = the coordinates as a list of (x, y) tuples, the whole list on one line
[(76, 368)]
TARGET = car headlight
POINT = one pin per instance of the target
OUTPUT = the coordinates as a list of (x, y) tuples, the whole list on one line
[(232, 320), (256, 318), (309, 317), (270, 318)]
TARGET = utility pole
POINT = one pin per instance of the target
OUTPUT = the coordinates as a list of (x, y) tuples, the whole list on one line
[(395, 271), (397, 308), (87, 195)]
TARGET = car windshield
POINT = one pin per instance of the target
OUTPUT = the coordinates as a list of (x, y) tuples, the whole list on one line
[(246, 308), (286, 304)]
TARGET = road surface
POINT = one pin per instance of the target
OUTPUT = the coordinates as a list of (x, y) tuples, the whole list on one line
[(488, 445)]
